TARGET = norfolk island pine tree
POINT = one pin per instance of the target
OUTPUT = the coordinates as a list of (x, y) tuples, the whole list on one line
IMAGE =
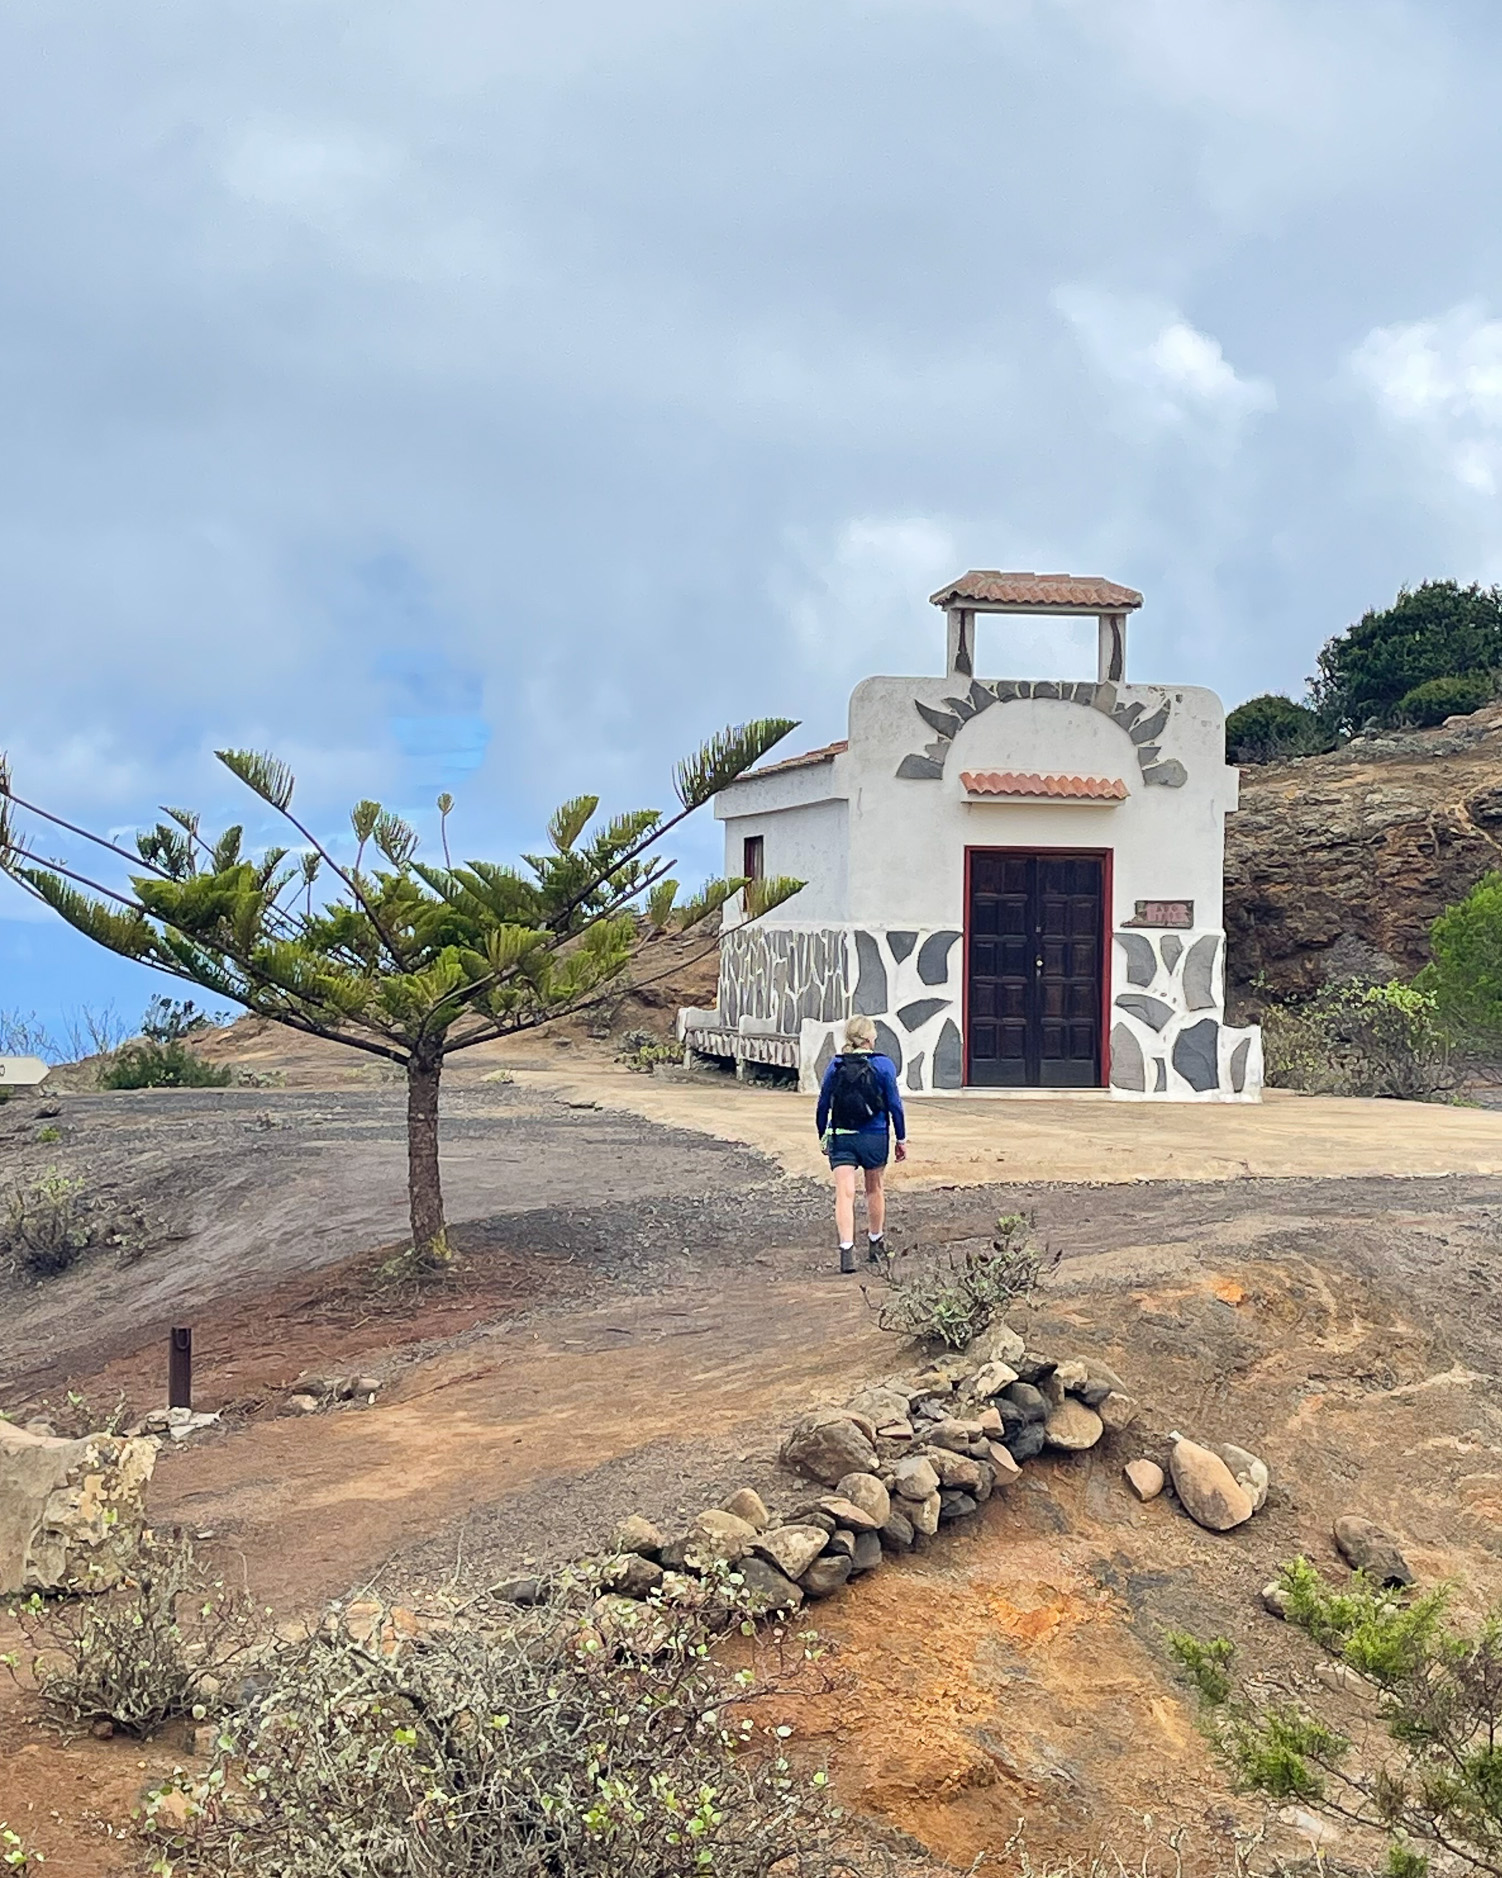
[(404, 961)]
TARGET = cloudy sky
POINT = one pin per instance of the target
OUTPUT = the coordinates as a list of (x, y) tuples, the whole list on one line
[(499, 397)]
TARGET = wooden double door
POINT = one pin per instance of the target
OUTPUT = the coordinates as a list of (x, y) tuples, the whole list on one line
[(1034, 957)]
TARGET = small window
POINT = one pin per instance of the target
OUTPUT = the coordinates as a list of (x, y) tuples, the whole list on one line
[(751, 857)]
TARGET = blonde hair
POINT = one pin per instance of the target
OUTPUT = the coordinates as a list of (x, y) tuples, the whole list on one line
[(860, 1034)]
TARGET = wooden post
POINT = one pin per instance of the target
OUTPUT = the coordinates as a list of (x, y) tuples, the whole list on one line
[(180, 1368)]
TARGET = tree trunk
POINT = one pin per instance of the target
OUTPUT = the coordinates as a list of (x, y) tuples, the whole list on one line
[(424, 1189)]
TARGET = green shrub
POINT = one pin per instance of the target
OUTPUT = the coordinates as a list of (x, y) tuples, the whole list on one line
[(642, 1051), (1439, 698), (170, 1065), (1436, 1782), (552, 1744), (46, 1224), (1354, 1039), (950, 1301), (1271, 728), (156, 1647), (1464, 974)]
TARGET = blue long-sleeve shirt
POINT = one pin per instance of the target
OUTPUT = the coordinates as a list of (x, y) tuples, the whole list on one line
[(886, 1076)]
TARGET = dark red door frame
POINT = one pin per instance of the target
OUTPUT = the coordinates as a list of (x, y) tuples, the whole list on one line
[(1107, 859)]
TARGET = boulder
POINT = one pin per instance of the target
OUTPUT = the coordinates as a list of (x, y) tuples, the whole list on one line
[(828, 1444), (1145, 1478), (714, 1537), (767, 1588), (792, 1549), (879, 1404), (924, 1514), (897, 1533), (71, 1512), (955, 1470), (867, 1553), (632, 1576), (1117, 1410), (824, 1575), (748, 1505), (1023, 1443), (1365, 1547), (997, 1343), (1032, 1402), (638, 1535), (953, 1434), (846, 1513), (1072, 1426), (914, 1477), (1207, 1488), (866, 1492), (1250, 1473), (1004, 1468), (991, 1378)]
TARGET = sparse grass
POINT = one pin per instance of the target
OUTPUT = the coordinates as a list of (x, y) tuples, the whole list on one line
[(949, 1300)]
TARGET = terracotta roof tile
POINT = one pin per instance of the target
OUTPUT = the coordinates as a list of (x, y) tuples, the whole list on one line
[(1011, 782), (827, 755), (1053, 593)]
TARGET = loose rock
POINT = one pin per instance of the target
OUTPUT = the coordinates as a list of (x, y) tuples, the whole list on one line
[(866, 1492), (828, 1446), (1251, 1474), (924, 1514), (638, 1535), (953, 1434), (1032, 1402), (825, 1575), (1207, 1488), (71, 1512), (1026, 1441), (955, 1470), (847, 1513), (792, 1549), (879, 1404), (632, 1576), (1145, 1478), (991, 1378), (747, 1504), (867, 1553), (718, 1535), (997, 1343), (301, 1404), (768, 1588), (1072, 1426), (1275, 1600), (1004, 1468), (897, 1533), (1365, 1547), (1117, 1411), (519, 1591), (1072, 1375), (914, 1477), (953, 1504)]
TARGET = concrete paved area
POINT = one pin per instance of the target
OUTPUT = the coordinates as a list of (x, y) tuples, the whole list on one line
[(960, 1140)]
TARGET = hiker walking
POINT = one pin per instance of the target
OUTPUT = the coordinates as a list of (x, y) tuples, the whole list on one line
[(858, 1102)]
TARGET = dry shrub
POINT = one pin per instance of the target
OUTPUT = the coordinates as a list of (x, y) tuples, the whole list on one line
[(548, 1746), (155, 1647), (951, 1300), (46, 1224)]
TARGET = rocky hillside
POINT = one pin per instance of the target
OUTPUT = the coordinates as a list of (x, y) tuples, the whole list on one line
[(1339, 863)]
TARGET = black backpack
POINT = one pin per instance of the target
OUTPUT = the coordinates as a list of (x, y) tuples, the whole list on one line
[(855, 1096)]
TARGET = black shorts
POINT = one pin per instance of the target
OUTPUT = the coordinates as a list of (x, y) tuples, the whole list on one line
[(866, 1149)]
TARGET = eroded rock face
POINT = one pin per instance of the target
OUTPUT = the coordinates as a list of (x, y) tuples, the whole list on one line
[(71, 1512), (1339, 864)]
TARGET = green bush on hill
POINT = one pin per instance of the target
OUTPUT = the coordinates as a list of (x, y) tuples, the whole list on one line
[(1464, 973), (1436, 630), (172, 1065), (1439, 698), (1266, 729)]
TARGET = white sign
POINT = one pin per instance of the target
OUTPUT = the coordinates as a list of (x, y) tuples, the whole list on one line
[(21, 1072)]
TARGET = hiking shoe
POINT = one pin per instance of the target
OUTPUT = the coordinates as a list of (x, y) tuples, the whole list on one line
[(847, 1258), (876, 1247)]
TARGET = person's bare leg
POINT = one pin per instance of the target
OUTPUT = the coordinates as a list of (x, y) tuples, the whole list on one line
[(876, 1202), (844, 1204)]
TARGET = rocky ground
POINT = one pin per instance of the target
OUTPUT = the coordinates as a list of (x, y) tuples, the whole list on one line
[(1339, 864), (640, 1314)]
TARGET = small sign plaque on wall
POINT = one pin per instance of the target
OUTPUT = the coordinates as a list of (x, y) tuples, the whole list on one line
[(1163, 913)]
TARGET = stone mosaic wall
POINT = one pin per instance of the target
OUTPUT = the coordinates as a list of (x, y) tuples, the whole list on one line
[(1144, 727), (1168, 1037), (908, 980), (778, 975)]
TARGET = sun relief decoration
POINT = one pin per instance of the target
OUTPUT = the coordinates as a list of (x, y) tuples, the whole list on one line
[(1143, 727)]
